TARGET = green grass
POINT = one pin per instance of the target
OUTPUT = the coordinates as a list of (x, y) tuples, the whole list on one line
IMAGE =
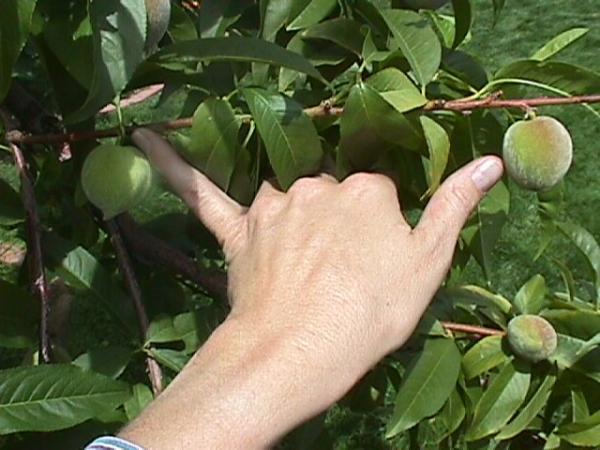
[(523, 28)]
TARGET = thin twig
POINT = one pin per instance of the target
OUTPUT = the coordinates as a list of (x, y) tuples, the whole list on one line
[(472, 329), (126, 269), (37, 273), (325, 109), (521, 103)]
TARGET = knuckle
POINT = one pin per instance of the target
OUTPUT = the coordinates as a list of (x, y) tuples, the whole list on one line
[(306, 187), (364, 183)]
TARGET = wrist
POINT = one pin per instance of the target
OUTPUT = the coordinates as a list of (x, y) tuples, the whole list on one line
[(249, 386)]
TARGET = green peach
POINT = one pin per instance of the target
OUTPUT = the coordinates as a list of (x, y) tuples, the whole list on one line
[(159, 16), (115, 178), (531, 337), (537, 153)]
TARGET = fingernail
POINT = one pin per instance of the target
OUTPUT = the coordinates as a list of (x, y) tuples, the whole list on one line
[(487, 174)]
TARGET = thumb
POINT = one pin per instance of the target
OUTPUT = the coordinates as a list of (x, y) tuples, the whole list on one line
[(217, 211), (451, 205)]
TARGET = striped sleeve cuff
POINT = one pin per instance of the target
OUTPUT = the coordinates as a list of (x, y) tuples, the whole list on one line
[(112, 443)]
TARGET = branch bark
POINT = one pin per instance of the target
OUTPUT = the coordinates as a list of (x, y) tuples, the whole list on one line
[(126, 269), (37, 272), (325, 109), (149, 248), (471, 329)]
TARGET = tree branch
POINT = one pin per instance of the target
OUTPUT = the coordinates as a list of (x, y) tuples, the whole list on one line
[(126, 269), (325, 109), (148, 247), (471, 329), (37, 272)]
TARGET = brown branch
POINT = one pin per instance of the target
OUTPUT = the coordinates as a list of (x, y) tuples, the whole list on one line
[(126, 269), (325, 109), (149, 248), (494, 102), (472, 329), (37, 273)]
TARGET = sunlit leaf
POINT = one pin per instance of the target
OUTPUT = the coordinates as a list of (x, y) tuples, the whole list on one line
[(584, 433), (290, 137), (417, 41), (530, 298), (438, 144), (397, 89), (15, 23), (141, 397), (119, 34), (483, 356), (346, 33), (426, 386), (53, 397), (232, 48), (315, 12), (588, 246), (499, 402), (558, 43), (530, 410), (368, 124)]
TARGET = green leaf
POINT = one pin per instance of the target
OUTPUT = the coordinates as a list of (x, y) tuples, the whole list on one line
[(578, 323), (80, 270), (569, 78), (18, 317), (453, 413), (232, 48), (141, 397), (215, 17), (462, 20), (417, 41), (588, 246), (482, 232), (109, 361), (558, 43), (530, 298), (54, 397), (290, 137), (315, 12), (344, 32), (502, 398), (368, 124), (11, 208), (427, 385), (528, 413), (274, 14), (579, 405), (68, 34), (119, 33), (181, 26), (483, 356), (172, 359), (438, 144), (214, 145), (584, 433), (15, 23), (397, 89), (571, 349)]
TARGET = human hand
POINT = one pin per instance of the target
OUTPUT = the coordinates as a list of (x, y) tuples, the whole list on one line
[(329, 274)]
